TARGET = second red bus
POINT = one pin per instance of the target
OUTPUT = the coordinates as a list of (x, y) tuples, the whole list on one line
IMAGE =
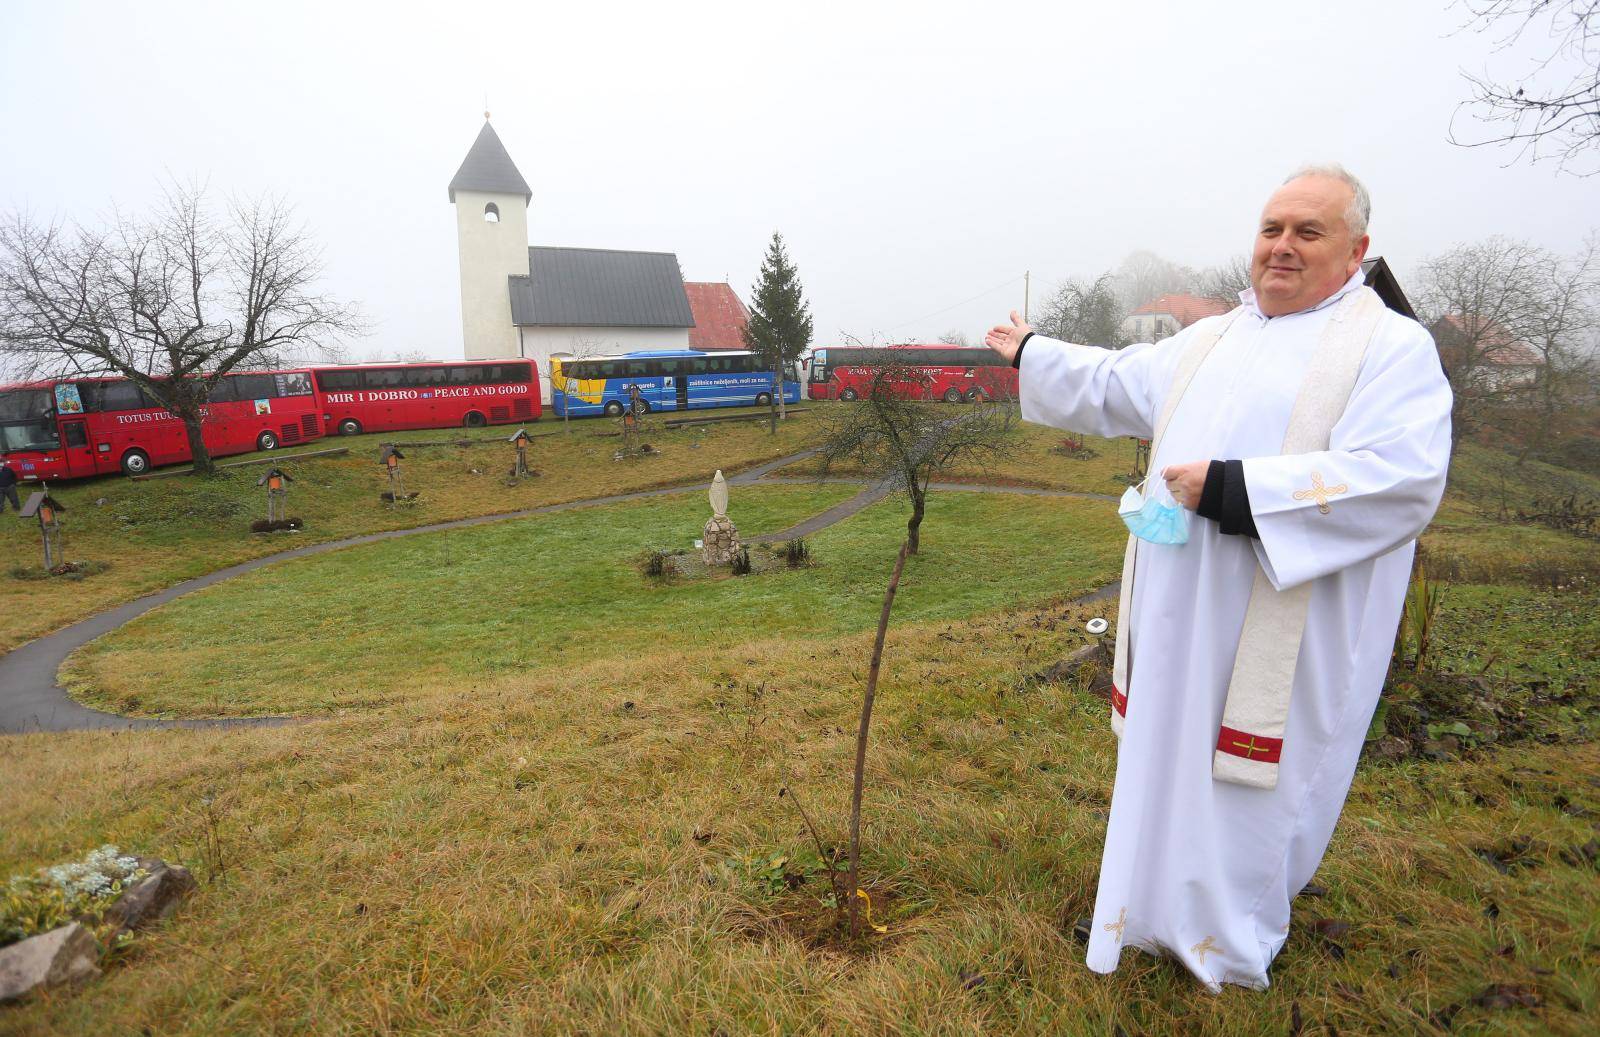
[(954, 374), (463, 393)]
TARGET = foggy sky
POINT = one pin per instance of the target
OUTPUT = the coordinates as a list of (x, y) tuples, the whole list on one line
[(914, 156)]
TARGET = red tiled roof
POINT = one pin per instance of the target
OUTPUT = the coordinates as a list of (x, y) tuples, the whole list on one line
[(1497, 345), (719, 315), (1185, 308)]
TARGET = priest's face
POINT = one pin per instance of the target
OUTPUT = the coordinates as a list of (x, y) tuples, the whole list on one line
[(1304, 251)]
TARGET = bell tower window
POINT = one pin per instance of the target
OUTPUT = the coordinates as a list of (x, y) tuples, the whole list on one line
[(491, 213)]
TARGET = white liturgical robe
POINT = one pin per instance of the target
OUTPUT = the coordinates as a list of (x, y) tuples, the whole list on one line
[(1199, 868)]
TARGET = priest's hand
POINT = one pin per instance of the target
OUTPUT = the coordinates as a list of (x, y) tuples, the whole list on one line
[(1186, 481), (1006, 339)]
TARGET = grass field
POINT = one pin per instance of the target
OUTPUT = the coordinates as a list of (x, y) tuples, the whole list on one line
[(155, 533), (569, 850), (480, 828)]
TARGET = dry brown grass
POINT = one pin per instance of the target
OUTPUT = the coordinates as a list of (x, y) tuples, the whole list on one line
[(520, 855)]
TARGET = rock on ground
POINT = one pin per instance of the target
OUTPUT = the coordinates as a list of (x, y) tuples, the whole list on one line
[(152, 898), (63, 955)]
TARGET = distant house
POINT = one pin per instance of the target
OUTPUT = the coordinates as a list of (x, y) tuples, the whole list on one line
[(719, 315), (1166, 315), (1497, 357)]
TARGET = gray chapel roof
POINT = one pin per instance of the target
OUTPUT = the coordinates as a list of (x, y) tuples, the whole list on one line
[(488, 167), (596, 287)]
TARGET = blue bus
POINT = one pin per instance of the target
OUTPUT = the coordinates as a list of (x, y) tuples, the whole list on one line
[(668, 379)]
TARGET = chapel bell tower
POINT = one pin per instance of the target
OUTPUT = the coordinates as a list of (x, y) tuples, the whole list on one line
[(491, 201)]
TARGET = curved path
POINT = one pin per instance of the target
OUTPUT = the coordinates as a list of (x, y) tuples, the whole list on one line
[(31, 700)]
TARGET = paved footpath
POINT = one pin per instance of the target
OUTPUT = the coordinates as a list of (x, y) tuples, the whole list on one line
[(31, 700)]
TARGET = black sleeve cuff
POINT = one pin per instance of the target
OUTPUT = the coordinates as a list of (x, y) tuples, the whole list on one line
[(1016, 361), (1210, 505), (1235, 517)]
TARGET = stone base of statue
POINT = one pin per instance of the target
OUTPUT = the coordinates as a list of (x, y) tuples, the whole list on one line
[(720, 541)]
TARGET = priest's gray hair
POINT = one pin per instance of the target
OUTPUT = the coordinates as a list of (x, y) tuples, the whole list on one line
[(1359, 210)]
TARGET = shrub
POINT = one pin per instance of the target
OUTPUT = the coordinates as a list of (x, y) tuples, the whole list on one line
[(655, 564), (75, 891), (797, 553), (741, 563)]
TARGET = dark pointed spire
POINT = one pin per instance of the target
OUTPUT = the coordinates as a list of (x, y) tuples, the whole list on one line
[(489, 168)]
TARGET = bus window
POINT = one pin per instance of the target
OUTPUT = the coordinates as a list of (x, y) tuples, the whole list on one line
[(254, 386), (699, 364), (426, 377), (464, 376), (121, 396), (76, 436), (224, 391), (385, 378), (515, 373), (339, 381), (292, 383)]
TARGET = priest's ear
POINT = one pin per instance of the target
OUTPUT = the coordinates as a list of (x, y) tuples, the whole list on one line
[(1358, 252)]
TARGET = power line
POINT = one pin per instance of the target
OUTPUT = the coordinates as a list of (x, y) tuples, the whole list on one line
[(1004, 284)]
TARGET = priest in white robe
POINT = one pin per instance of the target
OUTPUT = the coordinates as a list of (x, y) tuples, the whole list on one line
[(1252, 655)]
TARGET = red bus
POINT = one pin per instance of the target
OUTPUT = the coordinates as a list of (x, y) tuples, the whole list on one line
[(71, 428), (954, 374), (384, 397)]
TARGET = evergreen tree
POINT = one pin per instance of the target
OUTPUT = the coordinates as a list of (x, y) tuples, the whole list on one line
[(779, 331)]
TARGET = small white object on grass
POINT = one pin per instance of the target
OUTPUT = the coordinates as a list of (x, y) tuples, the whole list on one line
[(1097, 625)]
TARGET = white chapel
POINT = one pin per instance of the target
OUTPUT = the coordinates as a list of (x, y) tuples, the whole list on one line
[(528, 301)]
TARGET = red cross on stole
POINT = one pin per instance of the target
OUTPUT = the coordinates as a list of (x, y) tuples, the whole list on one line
[(1119, 701), (1251, 747)]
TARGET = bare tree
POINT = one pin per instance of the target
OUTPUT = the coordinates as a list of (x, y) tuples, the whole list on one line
[(172, 301), (1223, 282), (862, 729), (900, 438), (1084, 311), (581, 347), (1560, 326), (1476, 299), (1143, 276), (1553, 109), (956, 338)]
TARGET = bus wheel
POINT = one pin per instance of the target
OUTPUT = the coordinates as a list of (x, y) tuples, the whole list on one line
[(952, 395), (847, 394), (266, 441), (475, 420), (349, 427), (135, 462), (614, 409), (763, 399)]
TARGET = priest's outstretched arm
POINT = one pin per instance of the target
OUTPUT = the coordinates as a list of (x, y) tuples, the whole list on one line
[(1104, 392), (1379, 482)]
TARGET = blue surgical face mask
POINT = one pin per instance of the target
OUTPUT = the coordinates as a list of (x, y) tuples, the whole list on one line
[(1154, 516)]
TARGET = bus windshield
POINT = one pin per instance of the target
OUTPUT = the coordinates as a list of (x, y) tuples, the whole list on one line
[(27, 421)]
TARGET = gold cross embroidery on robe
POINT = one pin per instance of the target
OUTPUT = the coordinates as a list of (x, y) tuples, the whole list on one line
[(1251, 748), (1203, 948), (1320, 493), (1116, 927)]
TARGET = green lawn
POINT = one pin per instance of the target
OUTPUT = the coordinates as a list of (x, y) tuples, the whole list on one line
[(363, 625), (158, 532)]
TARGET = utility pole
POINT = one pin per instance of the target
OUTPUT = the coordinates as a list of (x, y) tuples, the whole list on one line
[(1027, 283)]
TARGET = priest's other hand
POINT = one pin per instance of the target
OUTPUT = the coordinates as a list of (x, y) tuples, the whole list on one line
[(1185, 481), (1006, 339)]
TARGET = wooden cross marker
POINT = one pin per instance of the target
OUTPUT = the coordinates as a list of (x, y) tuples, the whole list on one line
[(1320, 493)]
